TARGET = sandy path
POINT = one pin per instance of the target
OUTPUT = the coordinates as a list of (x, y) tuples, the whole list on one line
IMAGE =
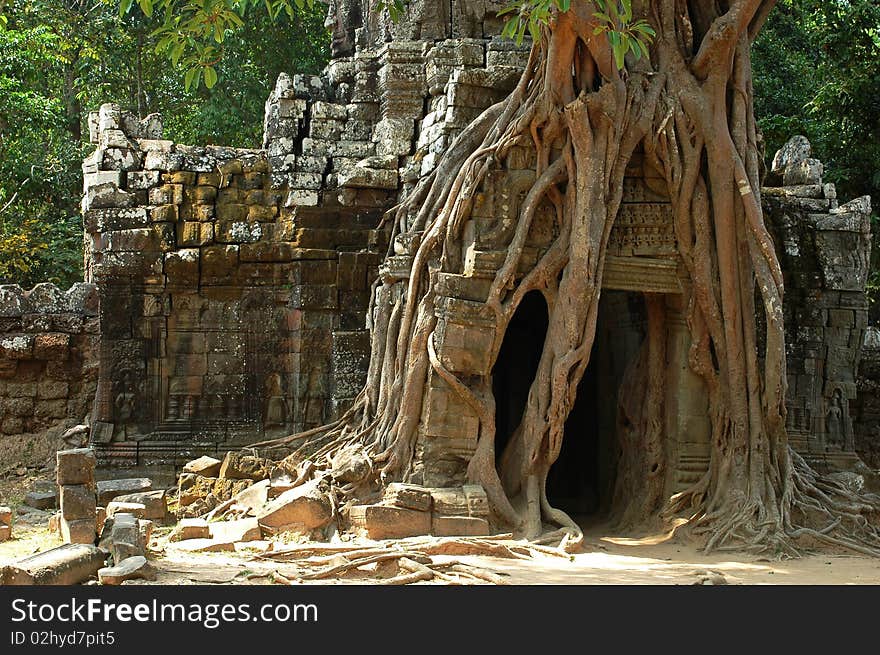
[(607, 560)]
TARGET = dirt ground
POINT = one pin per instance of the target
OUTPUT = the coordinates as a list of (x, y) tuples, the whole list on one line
[(607, 559)]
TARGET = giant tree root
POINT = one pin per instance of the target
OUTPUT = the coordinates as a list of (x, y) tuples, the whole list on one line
[(416, 558), (689, 107)]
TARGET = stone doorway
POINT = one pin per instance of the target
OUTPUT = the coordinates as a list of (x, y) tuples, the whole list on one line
[(517, 365), (581, 482)]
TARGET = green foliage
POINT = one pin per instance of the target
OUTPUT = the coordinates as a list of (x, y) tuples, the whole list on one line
[(194, 34), (60, 58), (40, 234), (395, 8), (817, 73), (624, 35), (531, 16), (33, 250), (615, 20)]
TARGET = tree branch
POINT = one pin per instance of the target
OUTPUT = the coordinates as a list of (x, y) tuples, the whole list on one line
[(720, 40), (760, 18)]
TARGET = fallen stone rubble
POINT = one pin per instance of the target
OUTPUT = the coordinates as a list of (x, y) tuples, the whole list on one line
[(5, 523), (325, 523)]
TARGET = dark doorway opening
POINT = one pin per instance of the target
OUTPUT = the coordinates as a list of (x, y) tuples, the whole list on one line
[(573, 482), (581, 482), (517, 365)]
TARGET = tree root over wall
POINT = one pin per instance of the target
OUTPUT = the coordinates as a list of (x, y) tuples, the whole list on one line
[(690, 108)]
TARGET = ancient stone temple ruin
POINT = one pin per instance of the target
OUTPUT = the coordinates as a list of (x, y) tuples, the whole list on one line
[(227, 289)]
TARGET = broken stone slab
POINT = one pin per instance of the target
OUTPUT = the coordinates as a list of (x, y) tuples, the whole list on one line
[(45, 485), (302, 509), (236, 531), (77, 501), (362, 177), (77, 436), (351, 464), (861, 205), (78, 531), (110, 489), (816, 191), (459, 526), (241, 466), (188, 529), (65, 565), (206, 466), (41, 499), (408, 496), (154, 503), (283, 480), (806, 171), (136, 567), (75, 466), (204, 546), (795, 150), (193, 488), (467, 500), (106, 195), (125, 538), (387, 522), (116, 507), (253, 498)]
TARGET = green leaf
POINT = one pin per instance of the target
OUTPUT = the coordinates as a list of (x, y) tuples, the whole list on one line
[(190, 77), (210, 77), (146, 6), (619, 53)]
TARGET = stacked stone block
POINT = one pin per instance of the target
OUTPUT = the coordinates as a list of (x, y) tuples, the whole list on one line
[(75, 474), (824, 250), (866, 408), (222, 288), (48, 344)]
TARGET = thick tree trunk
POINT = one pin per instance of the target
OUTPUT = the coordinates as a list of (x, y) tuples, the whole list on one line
[(690, 109)]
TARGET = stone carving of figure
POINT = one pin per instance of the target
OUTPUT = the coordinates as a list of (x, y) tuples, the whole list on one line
[(276, 405), (343, 17), (834, 421), (123, 403)]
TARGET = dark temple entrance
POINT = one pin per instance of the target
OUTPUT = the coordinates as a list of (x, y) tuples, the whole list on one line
[(581, 482), (517, 365)]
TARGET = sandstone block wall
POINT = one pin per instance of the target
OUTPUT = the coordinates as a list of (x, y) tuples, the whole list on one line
[(824, 250), (48, 347), (866, 407), (231, 310)]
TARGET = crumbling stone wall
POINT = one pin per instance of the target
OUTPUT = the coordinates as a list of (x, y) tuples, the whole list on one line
[(48, 347), (824, 251), (235, 283), (230, 311), (866, 407)]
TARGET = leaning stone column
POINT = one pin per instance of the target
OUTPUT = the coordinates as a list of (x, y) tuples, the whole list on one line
[(76, 482)]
